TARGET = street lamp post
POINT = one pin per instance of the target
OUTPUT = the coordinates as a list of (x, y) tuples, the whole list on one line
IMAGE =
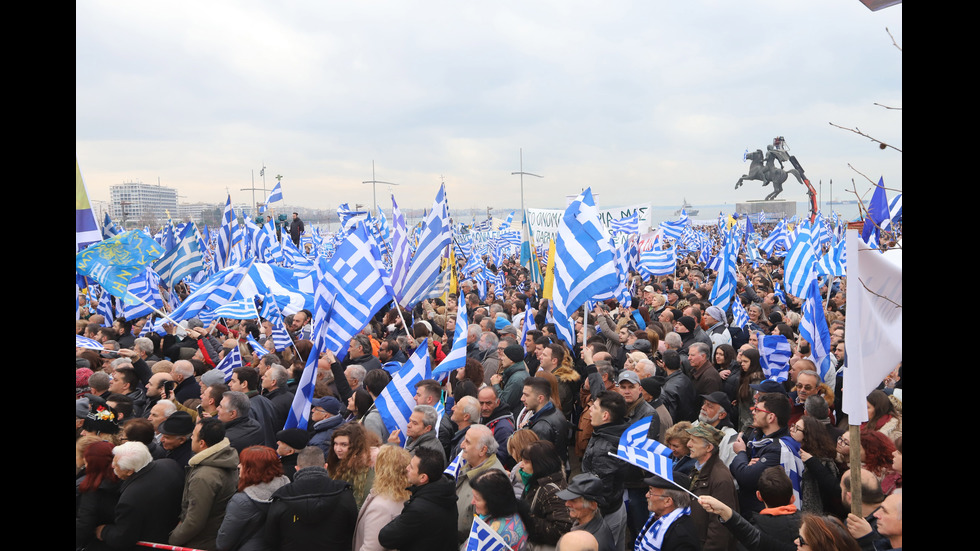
[(522, 173), (374, 188)]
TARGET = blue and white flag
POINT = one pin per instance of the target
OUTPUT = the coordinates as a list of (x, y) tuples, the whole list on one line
[(183, 260), (105, 308), (276, 194), (637, 436), (628, 224), (723, 290), (218, 290), (457, 356), (895, 209), (585, 262), (231, 361), (398, 398), (454, 466), (280, 336), (739, 314), (354, 285), (142, 295), (257, 348), (222, 256), (657, 261), (637, 449), (299, 411), (425, 265), (111, 229), (790, 461), (529, 323), (85, 342), (774, 354), (798, 265), (878, 215), (506, 223), (243, 309), (484, 538), (814, 329)]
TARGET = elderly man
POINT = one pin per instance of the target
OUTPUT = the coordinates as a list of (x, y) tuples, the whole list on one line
[(175, 437), (242, 430), (716, 413), (360, 353), (582, 500), (889, 525), (710, 476), (274, 389), (149, 502), (703, 372), (807, 384), (325, 417), (420, 432), (479, 451), (498, 417), (159, 413), (211, 480), (465, 413), (669, 526), (187, 387)]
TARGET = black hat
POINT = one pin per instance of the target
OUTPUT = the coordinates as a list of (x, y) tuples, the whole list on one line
[(295, 438), (653, 386), (642, 345), (585, 485), (680, 479), (179, 423), (515, 352), (768, 385), (688, 322), (101, 418)]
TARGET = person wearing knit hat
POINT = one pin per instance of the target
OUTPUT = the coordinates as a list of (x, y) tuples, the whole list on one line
[(175, 437), (514, 352), (710, 476), (717, 327), (289, 442)]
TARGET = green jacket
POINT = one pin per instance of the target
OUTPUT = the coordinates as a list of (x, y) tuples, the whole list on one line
[(210, 481)]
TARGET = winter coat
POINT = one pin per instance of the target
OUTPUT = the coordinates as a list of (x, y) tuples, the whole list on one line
[(549, 424), (148, 506), (464, 494), (427, 521), (95, 507), (427, 440), (549, 518), (210, 481), (714, 480), (679, 396), (612, 471), (501, 422), (323, 432), (374, 515), (313, 512), (243, 528), (244, 432), (751, 537), (512, 386)]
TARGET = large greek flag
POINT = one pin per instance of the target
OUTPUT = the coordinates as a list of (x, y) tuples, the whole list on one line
[(276, 194), (225, 237), (216, 291), (243, 309), (798, 264), (585, 263), (646, 453), (146, 288), (724, 288), (353, 286), (231, 362), (657, 261), (398, 398), (183, 260), (628, 224)]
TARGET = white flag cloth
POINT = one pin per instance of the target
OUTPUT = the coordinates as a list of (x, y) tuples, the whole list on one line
[(874, 322)]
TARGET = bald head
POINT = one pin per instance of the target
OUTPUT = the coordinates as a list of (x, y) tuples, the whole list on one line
[(578, 540)]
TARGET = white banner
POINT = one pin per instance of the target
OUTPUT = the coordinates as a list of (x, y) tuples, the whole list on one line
[(544, 222)]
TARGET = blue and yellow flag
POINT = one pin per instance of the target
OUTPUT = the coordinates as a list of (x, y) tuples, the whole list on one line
[(115, 261), (86, 226)]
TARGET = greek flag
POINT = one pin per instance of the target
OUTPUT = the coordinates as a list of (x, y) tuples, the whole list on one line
[(485, 538), (673, 230), (774, 353), (741, 317), (398, 398), (183, 260), (299, 411), (146, 288), (529, 323), (353, 286), (585, 263), (85, 342), (257, 348), (834, 262), (498, 284), (454, 466), (457, 356), (628, 224), (400, 258), (276, 194), (658, 261), (105, 308), (216, 291), (814, 329), (724, 288), (225, 237), (243, 309), (111, 229), (789, 460), (425, 263), (231, 361), (637, 436), (473, 263), (280, 336), (895, 208), (506, 223), (798, 265), (295, 258)]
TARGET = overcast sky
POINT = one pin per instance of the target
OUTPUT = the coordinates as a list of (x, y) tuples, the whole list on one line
[(643, 101)]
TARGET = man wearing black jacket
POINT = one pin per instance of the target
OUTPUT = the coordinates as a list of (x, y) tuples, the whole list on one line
[(428, 520), (607, 412)]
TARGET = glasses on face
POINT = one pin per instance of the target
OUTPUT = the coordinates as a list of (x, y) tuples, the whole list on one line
[(757, 408), (801, 386), (794, 428), (841, 440)]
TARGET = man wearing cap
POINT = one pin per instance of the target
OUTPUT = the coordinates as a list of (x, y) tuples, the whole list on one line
[(643, 345), (175, 437), (509, 384), (607, 413), (325, 416), (716, 412), (669, 526), (582, 497), (710, 476), (717, 328), (289, 442)]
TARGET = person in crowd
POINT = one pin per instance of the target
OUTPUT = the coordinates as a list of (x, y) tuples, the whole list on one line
[(350, 459), (548, 517), (582, 501), (710, 476), (670, 526), (820, 475), (99, 492), (494, 503), (883, 416), (432, 506), (479, 451), (385, 500), (260, 475), (677, 438)]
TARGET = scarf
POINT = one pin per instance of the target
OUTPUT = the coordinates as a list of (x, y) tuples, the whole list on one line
[(651, 538)]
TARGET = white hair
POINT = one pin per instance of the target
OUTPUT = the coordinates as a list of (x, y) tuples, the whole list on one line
[(132, 456)]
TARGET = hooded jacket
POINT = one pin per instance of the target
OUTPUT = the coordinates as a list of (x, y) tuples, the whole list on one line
[(244, 526), (210, 481), (313, 512)]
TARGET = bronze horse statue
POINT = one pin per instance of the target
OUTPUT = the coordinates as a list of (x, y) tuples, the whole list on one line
[(764, 170)]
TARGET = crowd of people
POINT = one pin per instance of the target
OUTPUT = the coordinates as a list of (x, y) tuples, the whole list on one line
[(168, 451)]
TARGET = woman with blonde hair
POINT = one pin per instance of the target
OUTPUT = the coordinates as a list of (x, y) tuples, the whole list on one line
[(516, 444), (386, 498)]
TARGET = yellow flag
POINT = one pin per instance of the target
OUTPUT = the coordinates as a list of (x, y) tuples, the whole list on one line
[(549, 279)]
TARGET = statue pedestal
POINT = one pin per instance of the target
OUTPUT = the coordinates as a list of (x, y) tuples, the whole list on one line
[(775, 210)]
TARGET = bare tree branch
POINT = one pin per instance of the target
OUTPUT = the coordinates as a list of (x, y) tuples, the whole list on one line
[(897, 305), (887, 107), (893, 39), (857, 131)]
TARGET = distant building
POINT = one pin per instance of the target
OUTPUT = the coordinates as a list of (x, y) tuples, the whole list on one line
[(139, 203)]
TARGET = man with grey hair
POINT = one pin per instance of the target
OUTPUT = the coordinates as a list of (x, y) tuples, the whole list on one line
[(670, 525), (488, 352), (465, 413), (159, 413), (355, 373), (479, 451), (274, 390), (187, 387), (673, 341), (705, 376), (420, 432), (361, 353), (149, 502), (241, 429), (473, 334)]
